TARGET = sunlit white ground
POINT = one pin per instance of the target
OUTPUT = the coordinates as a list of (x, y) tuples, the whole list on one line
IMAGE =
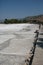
[(16, 41)]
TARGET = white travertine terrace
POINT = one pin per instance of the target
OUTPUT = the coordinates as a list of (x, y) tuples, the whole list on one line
[(16, 41)]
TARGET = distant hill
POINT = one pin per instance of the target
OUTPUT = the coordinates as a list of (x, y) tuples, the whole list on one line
[(30, 19), (37, 18), (2, 21)]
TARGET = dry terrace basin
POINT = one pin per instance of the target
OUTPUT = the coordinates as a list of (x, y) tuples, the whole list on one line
[(17, 44)]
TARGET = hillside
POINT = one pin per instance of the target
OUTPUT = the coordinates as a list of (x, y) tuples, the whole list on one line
[(30, 19), (37, 18)]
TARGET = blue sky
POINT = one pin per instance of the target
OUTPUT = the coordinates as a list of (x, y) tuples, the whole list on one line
[(20, 8)]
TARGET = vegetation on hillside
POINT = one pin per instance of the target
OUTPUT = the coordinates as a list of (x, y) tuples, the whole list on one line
[(11, 21), (31, 19)]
